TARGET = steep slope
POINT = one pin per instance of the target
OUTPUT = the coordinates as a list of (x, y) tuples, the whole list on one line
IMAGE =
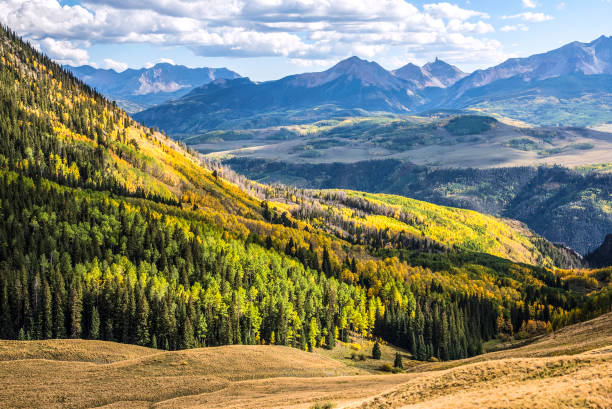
[(569, 369), (350, 84), (112, 231), (585, 58), (569, 85), (433, 74), (561, 204), (601, 256), (443, 73), (135, 90)]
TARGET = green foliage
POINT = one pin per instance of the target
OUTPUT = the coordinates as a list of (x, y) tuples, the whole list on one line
[(376, 352), (397, 361), (94, 331), (327, 405), (470, 124), (564, 205), (586, 110)]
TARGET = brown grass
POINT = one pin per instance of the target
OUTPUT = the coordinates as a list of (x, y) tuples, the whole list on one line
[(573, 368)]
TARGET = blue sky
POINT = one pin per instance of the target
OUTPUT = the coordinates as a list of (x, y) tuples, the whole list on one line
[(267, 39)]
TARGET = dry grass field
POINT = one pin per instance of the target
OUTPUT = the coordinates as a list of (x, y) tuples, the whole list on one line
[(571, 368), (494, 148)]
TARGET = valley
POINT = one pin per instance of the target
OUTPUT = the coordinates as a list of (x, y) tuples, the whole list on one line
[(356, 237), (423, 141)]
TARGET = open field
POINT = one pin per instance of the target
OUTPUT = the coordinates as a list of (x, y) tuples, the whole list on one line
[(571, 368), (422, 141)]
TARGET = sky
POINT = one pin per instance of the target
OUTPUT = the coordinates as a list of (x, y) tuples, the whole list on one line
[(268, 39)]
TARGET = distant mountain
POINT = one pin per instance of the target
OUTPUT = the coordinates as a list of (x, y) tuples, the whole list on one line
[(571, 85), (574, 58), (434, 74), (352, 83), (135, 90)]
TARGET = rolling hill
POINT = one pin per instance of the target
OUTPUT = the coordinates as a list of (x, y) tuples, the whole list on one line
[(570, 368)]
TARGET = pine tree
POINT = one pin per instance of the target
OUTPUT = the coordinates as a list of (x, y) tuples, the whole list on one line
[(376, 353), (94, 330), (187, 338), (326, 264), (142, 315), (47, 312), (397, 363), (6, 331), (76, 307), (330, 338)]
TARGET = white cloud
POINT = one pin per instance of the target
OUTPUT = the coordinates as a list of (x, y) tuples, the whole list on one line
[(517, 27), (317, 30), (452, 11), (160, 60), (115, 65), (561, 6), (530, 17), (529, 4), (467, 27), (63, 52)]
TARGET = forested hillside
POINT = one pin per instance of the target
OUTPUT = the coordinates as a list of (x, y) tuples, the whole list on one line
[(572, 207), (110, 230)]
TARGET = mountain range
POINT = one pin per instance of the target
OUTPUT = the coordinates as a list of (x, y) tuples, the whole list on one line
[(137, 89), (577, 72)]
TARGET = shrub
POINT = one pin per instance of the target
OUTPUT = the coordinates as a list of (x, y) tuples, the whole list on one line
[(355, 346), (386, 367), (358, 357), (327, 405)]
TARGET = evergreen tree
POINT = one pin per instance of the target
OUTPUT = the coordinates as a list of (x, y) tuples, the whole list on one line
[(376, 353), (187, 338), (94, 329), (397, 362), (76, 307), (142, 315), (47, 312)]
